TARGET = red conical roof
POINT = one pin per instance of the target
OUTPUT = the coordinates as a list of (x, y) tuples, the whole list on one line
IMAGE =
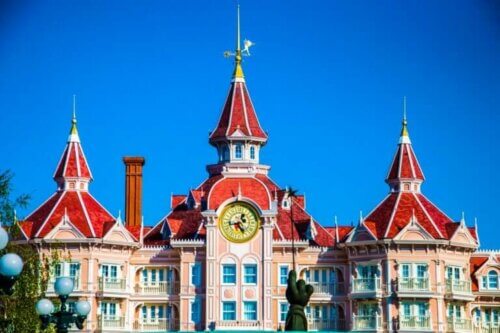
[(238, 116), (73, 163), (405, 165)]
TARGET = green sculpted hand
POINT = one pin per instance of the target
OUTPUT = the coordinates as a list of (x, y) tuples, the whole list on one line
[(298, 295)]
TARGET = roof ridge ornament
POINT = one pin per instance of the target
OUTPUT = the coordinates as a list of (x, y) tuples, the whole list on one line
[(239, 53), (73, 133), (405, 136)]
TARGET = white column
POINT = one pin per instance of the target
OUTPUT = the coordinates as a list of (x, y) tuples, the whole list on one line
[(439, 291), (267, 258), (210, 272), (389, 293)]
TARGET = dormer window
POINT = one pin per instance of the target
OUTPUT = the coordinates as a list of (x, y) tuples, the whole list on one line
[(252, 153), (490, 281), (238, 154)]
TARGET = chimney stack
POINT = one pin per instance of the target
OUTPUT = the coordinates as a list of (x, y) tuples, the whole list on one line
[(133, 189)]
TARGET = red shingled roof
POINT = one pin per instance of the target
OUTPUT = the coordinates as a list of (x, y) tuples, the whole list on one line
[(238, 114), (476, 262), (82, 210), (405, 164), (186, 222), (396, 210), (73, 163)]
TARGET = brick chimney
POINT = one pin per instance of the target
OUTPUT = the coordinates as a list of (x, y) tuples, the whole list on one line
[(133, 189)]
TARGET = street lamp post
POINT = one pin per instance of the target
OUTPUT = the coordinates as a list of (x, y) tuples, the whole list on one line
[(11, 265), (64, 317)]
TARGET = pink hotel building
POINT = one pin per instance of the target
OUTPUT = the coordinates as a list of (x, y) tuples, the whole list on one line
[(219, 259)]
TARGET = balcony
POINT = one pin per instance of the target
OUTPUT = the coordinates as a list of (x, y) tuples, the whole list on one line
[(111, 322), (366, 323), (112, 285), (330, 289), (485, 328), (459, 325), (414, 287), (158, 325), (422, 323), (238, 324), (366, 288), (326, 325), (161, 288), (459, 289), (77, 285)]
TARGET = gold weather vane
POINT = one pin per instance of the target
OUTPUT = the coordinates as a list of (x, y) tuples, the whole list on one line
[(238, 72)]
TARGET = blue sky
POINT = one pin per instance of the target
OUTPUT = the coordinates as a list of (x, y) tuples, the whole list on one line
[(327, 79)]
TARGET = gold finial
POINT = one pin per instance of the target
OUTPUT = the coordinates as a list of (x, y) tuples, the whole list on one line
[(238, 71), (404, 130), (238, 53), (73, 120)]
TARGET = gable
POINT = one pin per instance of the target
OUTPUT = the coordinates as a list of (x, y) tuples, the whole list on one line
[(463, 236), (413, 231), (360, 234)]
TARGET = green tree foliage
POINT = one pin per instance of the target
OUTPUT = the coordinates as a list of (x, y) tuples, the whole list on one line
[(17, 312)]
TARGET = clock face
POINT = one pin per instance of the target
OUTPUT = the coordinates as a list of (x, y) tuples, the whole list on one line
[(239, 222)]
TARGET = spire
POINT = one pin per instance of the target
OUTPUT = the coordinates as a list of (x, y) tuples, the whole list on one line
[(405, 137), (238, 135), (405, 173), (73, 132), (72, 171), (238, 71)]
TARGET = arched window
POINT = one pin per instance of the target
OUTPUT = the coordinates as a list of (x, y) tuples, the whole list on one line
[(237, 151), (252, 153), (492, 280)]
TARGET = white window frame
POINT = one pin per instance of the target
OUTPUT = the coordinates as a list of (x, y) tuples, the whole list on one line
[(256, 274), (196, 265), (222, 311), (235, 274), (256, 310), (280, 276)]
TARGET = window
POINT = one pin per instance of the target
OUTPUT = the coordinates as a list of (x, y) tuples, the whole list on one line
[(228, 310), (252, 153), (249, 310), (283, 311), (405, 271), (109, 271), (283, 275), (237, 151), (368, 272), (229, 274), (196, 274), (421, 271), (492, 280), (195, 311), (70, 269), (250, 273), (108, 310)]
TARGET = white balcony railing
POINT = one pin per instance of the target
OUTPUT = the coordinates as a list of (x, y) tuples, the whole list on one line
[(365, 323), (157, 288), (482, 327), (107, 321), (413, 284), (328, 288), (459, 324), (415, 322), (77, 285), (156, 325), (326, 325), (112, 284), (458, 286), (238, 323), (366, 285)]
